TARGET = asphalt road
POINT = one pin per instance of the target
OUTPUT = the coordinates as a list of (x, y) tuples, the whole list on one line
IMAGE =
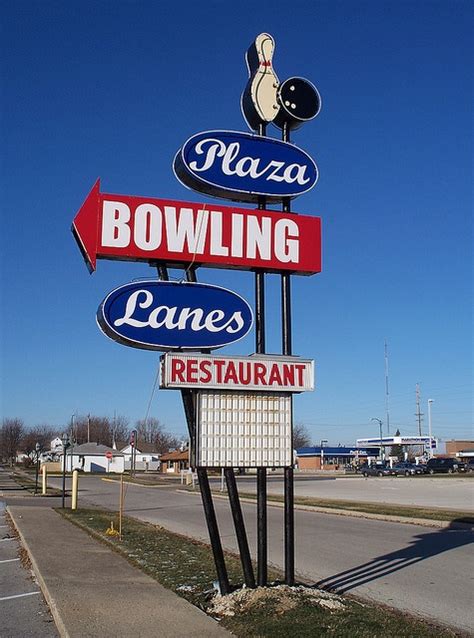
[(425, 571)]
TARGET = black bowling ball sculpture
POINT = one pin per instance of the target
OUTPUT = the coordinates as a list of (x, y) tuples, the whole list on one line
[(264, 100)]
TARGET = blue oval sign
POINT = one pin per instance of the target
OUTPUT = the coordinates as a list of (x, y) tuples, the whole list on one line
[(163, 315), (242, 167)]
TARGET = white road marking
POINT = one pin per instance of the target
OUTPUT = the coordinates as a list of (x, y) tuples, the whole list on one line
[(31, 593), (9, 560), (2, 540)]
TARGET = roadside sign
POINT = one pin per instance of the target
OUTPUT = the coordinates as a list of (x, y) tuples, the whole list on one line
[(240, 413), (243, 167), (165, 315), (129, 228), (270, 373)]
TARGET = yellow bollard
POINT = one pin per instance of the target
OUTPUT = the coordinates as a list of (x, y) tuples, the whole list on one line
[(75, 481), (44, 485)]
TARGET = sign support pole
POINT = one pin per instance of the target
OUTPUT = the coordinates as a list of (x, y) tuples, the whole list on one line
[(287, 350), (262, 550), (239, 527), (209, 511), (121, 506)]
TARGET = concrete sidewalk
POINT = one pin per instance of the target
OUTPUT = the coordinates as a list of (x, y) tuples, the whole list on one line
[(93, 591)]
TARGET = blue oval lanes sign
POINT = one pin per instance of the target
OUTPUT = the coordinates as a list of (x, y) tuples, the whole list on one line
[(242, 167), (162, 315)]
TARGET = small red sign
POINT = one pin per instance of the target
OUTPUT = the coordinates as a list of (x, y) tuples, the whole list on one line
[(108, 455), (147, 229)]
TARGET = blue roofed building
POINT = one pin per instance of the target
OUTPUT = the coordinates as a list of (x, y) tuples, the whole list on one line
[(333, 458)]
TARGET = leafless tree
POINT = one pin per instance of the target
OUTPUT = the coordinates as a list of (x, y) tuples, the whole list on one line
[(301, 436), (100, 429), (121, 429), (153, 431), (147, 430), (11, 434), (92, 428), (42, 434)]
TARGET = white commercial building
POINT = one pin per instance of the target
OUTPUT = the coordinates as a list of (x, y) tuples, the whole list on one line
[(93, 457)]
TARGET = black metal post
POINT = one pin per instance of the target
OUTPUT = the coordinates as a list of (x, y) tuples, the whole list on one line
[(133, 456), (239, 527), (262, 549), (287, 350), (211, 521), (64, 478), (209, 511), (289, 528), (259, 312), (37, 472)]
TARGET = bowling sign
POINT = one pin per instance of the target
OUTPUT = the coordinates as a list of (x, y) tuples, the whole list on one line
[(127, 228), (259, 100), (243, 167), (299, 102), (165, 315), (288, 105)]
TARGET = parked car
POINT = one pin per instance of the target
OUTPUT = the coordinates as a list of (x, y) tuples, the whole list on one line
[(470, 465), (408, 469), (446, 465), (376, 469)]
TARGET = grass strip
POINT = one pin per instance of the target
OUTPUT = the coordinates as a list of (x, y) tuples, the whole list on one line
[(29, 484), (404, 511), (187, 567)]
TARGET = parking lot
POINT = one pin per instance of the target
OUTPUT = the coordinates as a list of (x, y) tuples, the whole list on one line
[(453, 492), (23, 611)]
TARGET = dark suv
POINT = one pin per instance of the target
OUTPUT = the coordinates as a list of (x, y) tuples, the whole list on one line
[(470, 465), (446, 465)]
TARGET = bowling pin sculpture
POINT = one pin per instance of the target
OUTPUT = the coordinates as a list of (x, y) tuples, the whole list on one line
[(259, 99), (299, 102)]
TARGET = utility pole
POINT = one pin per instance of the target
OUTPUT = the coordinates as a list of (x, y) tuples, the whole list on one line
[(418, 414), (387, 411), (430, 452), (89, 427)]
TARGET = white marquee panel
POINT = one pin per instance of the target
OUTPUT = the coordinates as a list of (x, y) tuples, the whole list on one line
[(244, 429)]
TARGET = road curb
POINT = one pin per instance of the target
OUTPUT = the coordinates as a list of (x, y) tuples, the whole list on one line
[(44, 589), (128, 483)]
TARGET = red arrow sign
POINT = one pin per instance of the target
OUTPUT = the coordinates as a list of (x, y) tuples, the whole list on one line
[(147, 229)]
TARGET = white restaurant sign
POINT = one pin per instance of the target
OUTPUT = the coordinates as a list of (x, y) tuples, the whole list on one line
[(243, 429), (257, 372)]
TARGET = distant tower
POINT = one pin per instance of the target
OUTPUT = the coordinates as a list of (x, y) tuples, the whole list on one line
[(387, 410), (418, 414)]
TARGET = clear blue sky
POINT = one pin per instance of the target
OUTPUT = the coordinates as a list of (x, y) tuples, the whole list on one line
[(112, 89)]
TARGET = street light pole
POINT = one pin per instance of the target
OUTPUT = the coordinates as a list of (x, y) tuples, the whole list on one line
[(37, 449), (430, 452), (381, 437), (322, 442)]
